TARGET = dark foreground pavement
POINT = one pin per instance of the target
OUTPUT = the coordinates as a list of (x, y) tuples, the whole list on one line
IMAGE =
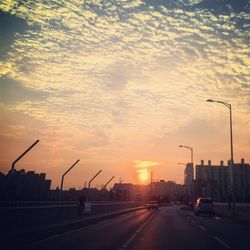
[(169, 228)]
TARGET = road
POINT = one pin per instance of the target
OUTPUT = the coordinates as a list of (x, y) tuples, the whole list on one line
[(169, 228)]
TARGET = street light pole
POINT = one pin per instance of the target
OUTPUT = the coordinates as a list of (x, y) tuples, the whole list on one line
[(191, 187), (91, 181), (108, 182), (191, 150), (181, 163), (66, 173), (23, 154), (229, 106), (94, 178), (192, 157), (104, 187)]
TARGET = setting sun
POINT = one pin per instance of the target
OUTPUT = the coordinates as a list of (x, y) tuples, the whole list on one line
[(143, 168), (143, 175)]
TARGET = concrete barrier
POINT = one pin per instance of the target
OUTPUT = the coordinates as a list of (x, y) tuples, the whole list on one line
[(14, 219), (25, 238), (242, 210), (222, 209)]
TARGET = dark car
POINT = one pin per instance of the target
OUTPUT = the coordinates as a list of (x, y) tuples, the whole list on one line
[(204, 206)]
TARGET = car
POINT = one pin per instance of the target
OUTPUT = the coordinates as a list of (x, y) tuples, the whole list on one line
[(204, 206), (152, 205)]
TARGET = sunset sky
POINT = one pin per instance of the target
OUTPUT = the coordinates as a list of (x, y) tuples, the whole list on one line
[(119, 84)]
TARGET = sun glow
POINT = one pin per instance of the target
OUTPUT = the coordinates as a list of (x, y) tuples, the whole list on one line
[(143, 169), (143, 175)]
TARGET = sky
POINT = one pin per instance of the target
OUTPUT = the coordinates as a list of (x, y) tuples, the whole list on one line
[(119, 84)]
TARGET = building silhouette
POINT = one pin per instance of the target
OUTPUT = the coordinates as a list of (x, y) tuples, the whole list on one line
[(214, 181), (123, 191), (24, 186), (242, 181), (157, 190)]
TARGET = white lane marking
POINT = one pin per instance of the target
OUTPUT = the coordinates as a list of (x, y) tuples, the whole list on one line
[(136, 233), (203, 228), (222, 242), (55, 236)]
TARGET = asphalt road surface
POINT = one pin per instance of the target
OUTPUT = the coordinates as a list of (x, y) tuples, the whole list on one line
[(169, 228)]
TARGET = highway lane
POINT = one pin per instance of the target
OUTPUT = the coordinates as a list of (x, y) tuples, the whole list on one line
[(234, 234), (171, 229), (168, 228), (178, 229), (105, 235)]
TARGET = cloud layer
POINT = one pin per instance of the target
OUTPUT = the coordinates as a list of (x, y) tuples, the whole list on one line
[(121, 71)]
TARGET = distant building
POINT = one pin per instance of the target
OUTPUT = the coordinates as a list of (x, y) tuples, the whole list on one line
[(166, 191), (212, 181), (123, 191), (163, 188), (242, 181), (215, 181), (24, 186), (140, 192)]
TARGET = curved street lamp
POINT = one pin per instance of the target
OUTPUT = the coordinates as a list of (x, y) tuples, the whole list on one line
[(66, 173), (191, 191), (191, 149), (23, 154), (229, 106), (181, 163)]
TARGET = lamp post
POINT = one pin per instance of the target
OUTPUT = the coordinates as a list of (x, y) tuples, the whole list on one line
[(229, 106), (90, 183), (94, 178), (181, 163), (23, 154), (62, 179), (104, 187), (66, 173), (187, 173), (192, 154)]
